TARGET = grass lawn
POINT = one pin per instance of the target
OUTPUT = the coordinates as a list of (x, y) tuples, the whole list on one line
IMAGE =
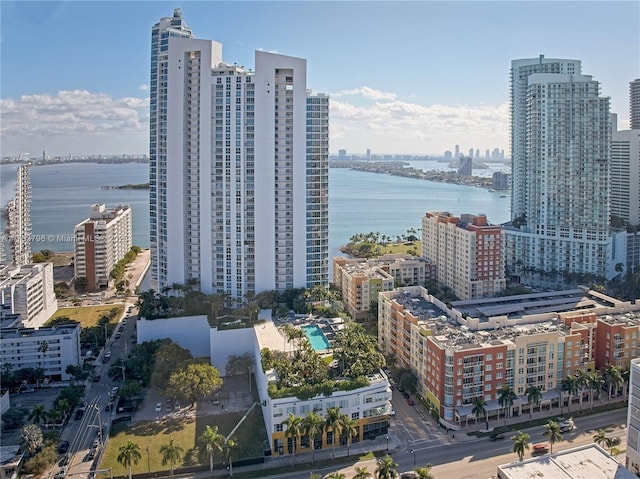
[(401, 248), (249, 438), (87, 316)]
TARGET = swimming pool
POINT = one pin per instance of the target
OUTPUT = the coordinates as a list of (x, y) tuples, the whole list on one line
[(316, 337)]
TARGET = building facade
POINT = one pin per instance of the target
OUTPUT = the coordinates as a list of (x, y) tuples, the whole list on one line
[(240, 171), (100, 242), (467, 252), (633, 419), (52, 349), (28, 291), (472, 349), (625, 175), (19, 220), (634, 104), (360, 279), (560, 145)]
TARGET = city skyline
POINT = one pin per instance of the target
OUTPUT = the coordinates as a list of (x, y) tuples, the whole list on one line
[(390, 92)]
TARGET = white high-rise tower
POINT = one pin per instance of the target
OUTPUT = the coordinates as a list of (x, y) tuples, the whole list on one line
[(19, 219), (560, 141), (239, 169)]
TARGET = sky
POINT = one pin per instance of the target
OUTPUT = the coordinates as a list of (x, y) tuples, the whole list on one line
[(405, 77)]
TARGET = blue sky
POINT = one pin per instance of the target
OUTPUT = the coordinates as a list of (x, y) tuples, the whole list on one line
[(404, 77)]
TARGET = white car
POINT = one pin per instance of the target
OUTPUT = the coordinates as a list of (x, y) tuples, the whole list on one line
[(114, 390), (158, 407)]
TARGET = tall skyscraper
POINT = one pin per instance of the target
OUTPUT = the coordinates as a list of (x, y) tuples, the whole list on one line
[(239, 169), (625, 175), (560, 140), (634, 104), (19, 219)]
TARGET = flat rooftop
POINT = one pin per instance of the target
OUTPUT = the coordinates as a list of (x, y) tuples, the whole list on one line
[(14, 333), (535, 303), (585, 462)]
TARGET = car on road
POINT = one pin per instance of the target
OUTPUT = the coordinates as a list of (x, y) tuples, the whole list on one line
[(61, 473), (65, 460), (540, 448), (114, 390), (158, 407), (409, 475), (118, 335), (497, 437), (410, 402), (96, 378), (405, 394), (63, 447), (566, 425), (107, 357)]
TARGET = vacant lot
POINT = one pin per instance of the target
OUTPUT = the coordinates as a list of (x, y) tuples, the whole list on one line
[(184, 428), (87, 316)]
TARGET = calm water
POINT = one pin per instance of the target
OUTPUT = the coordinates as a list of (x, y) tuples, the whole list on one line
[(359, 202)]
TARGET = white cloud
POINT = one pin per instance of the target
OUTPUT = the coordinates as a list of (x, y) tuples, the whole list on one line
[(396, 126), (79, 115), (143, 87), (367, 92)]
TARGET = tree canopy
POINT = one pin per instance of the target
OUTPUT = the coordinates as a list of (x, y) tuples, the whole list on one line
[(193, 382)]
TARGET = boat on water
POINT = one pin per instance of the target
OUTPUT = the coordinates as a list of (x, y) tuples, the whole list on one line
[(503, 196), (492, 191)]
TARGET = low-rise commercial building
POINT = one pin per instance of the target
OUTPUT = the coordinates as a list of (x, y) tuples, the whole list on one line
[(28, 291), (101, 241), (52, 349)]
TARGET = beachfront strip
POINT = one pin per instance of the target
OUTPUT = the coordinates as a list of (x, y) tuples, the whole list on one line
[(466, 351)]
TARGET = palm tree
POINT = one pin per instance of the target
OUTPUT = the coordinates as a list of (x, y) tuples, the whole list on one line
[(424, 472), (294, 427), (386, 468), (480, 409), (38, 414), (601, 438), (348, 427), (506, 398), (595, 385), (332, 422), (211, 440), (312, 425), (171, 453), (336, 475), (362, 473), (612, 378), (569, 386), (43, 347), (521, 444), (582, 382), (228, 445), (534, 396), (553, 433), (625, 374), (129, 454)]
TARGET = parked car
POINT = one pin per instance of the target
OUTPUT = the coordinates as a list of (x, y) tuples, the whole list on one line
[(96, 378), (540, 448), (497, 437), (158, 407), (63, 447), (410, 402), (405, 394)]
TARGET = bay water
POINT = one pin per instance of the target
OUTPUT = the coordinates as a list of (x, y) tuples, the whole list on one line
[(359, 202)]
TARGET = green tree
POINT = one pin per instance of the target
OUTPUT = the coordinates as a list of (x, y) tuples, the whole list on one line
[(293, 429), (612, 378), (38, 414), (349, 428), (43, 347), (336, 475), (129, 454), (480, 410), (386, 468), (553, 433), (332, 423), (195, 381), (41, 461), (228, 446), (80, 284), (31, 437), (521, 444), (424, 472), (601, 439), (505, 399), (534, 396), (362, 473), (569, 386), (171, 453), (211, 441), (312, 425)]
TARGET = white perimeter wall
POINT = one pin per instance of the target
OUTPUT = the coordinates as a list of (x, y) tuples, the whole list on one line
[(231, 342), (190, 332)]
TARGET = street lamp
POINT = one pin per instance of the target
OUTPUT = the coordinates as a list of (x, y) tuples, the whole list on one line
[(97, 408), (387, 443), (413, 453), (148, 461)]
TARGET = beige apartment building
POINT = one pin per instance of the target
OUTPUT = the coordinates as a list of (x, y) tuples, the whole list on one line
[(361, 279), (101, 241), (467, 252)]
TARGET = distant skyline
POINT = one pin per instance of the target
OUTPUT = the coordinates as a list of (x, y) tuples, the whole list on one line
[(404, 77)]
